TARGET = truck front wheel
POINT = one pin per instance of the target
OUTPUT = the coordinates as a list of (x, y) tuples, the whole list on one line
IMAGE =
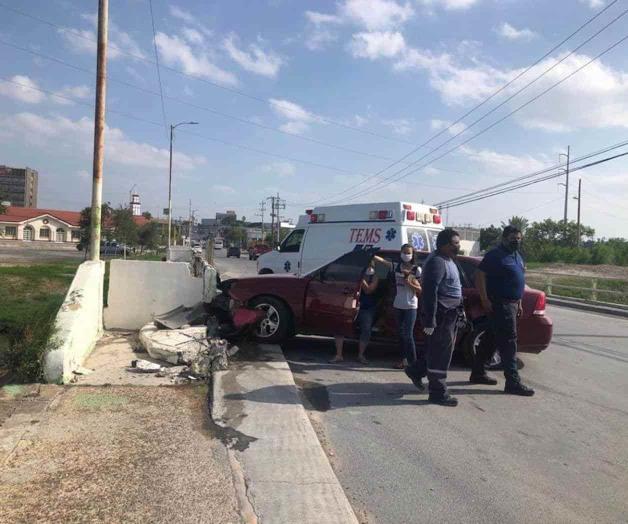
[(274, 328), (265, 271)]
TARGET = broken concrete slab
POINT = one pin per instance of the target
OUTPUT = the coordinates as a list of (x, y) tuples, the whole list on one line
[(175, 346), (181, 316)]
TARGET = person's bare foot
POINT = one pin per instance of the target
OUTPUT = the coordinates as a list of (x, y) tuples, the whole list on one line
[(336, 359)]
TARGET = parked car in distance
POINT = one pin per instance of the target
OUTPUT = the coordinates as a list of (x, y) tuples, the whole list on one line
[(257, 250), (233, 251), (325, 302)]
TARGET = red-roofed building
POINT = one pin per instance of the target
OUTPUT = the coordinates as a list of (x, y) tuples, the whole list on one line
[(46, 225)]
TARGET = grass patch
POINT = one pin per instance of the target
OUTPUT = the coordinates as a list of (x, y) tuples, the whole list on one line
[(570, 282), (30, 297)]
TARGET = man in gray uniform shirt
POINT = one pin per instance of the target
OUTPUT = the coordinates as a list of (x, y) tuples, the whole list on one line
[(441, 307)]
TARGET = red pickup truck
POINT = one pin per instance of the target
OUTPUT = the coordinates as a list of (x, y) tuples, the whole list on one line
[(325, 302)]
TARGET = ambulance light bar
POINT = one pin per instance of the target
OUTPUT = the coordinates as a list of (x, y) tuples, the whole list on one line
[(382, 214)]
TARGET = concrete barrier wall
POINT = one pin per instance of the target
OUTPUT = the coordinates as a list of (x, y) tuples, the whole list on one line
[(78, 324), (139, 290)]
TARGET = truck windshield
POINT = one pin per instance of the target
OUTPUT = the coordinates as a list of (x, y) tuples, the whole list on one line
[(292, 243)]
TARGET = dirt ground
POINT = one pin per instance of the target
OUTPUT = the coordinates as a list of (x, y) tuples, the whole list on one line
[(114, 454), (601, 271)]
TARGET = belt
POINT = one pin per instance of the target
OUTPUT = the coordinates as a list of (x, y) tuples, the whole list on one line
[(505, 300)]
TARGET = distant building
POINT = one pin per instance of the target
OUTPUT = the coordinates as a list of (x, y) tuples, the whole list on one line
[(19, 186), (226, 214), (45, 225), (136, 205), (469, 239)]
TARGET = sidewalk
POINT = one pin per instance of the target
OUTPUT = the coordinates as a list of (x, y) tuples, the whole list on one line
[(111, 454), (285, 476)]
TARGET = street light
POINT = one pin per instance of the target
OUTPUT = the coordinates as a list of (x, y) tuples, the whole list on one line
[(172, 128)]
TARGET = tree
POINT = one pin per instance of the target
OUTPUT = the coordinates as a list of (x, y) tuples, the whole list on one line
[(85, 222), (235, 235), (148, 236), (147, 215), (125, 228), (3, 209), (489, 237), (555, 232), (521, 223)]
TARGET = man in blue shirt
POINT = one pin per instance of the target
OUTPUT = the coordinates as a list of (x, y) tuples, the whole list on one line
[(441, 307), (501, 282)]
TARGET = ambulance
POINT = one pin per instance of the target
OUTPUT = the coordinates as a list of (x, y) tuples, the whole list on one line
[(325, 233)]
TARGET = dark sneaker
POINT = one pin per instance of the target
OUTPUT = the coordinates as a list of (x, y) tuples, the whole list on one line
[(447, 400), (483, 379), (416, 380), (518, 389)]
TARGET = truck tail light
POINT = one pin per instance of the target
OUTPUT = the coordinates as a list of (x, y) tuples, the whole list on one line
[(410, 215), (383, 214), (436, 219), (539, 307)]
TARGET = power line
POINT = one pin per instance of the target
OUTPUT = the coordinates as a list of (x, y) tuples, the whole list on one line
[(161, 89), (197, 106), (536, 181), (238, 92), (534, 174), (495, 93), (198, 135), (384, 182)]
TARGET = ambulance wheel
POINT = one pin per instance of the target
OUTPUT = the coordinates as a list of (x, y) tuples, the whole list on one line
[(265, 271), (276, 326)]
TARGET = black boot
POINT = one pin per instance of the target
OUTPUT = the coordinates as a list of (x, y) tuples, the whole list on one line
[(482, 379), (517, 388), (446, 400), (416, 379)]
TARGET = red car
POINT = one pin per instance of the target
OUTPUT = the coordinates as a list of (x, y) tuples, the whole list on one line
[(256, 251), (325, 303)]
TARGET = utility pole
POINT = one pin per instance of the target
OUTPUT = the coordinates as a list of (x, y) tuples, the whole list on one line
[(276, 203), (566, 189), (280, 204), (272, 220), (262, 208), (99, 130), (578, 198)]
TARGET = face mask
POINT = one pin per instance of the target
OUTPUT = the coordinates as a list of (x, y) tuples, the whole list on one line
[(406, 257), (514, 245)]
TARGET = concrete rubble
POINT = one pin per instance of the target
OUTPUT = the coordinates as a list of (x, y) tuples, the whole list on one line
[(191, 353)]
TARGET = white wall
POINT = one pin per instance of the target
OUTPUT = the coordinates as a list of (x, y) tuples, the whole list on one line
[(138, 290), (78, 324)]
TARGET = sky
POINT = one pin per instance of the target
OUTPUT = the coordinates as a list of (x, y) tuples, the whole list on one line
[(316, 101)]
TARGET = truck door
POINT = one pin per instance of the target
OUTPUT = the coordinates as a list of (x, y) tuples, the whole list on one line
[(290, 252), (331, 301)]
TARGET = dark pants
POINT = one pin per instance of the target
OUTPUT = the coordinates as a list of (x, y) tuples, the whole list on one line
[(503, 323), (439, 350), (406, 318)]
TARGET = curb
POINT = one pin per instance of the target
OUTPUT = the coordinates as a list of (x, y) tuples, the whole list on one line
[(585, 306), (280, 469)]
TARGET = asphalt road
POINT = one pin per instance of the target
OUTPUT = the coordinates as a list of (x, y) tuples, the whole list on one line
[(12, 252), (561, 456), (234, 267)]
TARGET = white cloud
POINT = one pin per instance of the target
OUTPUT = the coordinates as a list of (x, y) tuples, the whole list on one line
[(295, 127), (82, 173), (322, 18), (507, 31), (182, 14), (292, 111), (376, 14), (438, 125), (192, 35), (226, 190), (593, 4), (400, 126), (25, 92), (377, 44), (74, 137), (495, 163), (84, 40), (282, 169), (255, 60), (176, 52), (450, 5), (81, 92)]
